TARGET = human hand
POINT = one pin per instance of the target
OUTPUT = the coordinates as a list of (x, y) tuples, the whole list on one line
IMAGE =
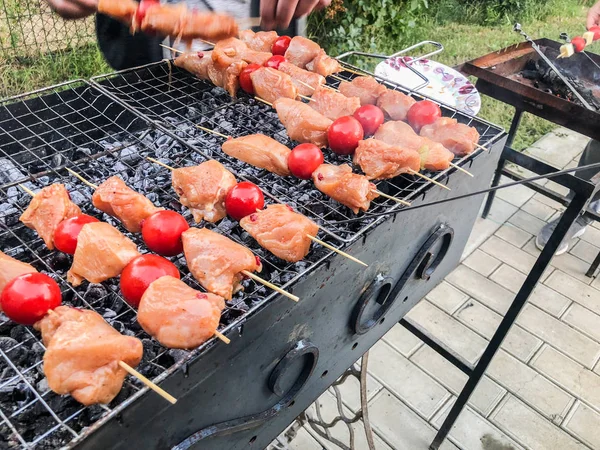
[(279, 13), (73, 9), (593, 17)]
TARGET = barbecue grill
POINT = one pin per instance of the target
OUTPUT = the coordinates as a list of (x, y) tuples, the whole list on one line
[(282, 355)]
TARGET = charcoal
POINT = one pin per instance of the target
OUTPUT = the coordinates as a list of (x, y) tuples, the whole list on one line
[(20, 333), (94, 292), (60, 261), (178, 355)]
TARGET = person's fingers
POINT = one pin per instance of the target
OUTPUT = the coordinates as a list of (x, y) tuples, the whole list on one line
[(70, 9), (305, 7), (593, 17), (268, 9), (285, 13)]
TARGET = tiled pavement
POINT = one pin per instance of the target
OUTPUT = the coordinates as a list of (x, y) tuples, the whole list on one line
[(542, 390)]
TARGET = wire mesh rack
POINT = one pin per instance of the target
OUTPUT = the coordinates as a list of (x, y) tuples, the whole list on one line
[(74, 125), (178, 102)]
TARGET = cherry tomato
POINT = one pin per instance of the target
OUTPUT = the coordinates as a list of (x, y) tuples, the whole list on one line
[(344, 135), (423, 113), (244, 199), (162, 232), (370, 117), (27, 298), (245, 80), (67, 232), (578, 43), (274, 61), (140, 13), (281, 45), (304, 160), (140, 273), (596, 30)]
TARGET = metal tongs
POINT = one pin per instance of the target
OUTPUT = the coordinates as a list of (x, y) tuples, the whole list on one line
[(539, 51)]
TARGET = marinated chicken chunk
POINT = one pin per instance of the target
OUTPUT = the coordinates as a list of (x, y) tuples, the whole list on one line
[(306, 82), (350, 189), (379, 160), (303, 124), (301, 51), (228, 77), (216, 261), (47, 209), (366, 88), (102, 252), (178, 316), (270, 84), (434, 156), (261, 41), (11, 268), (117, 199), (282, 231), (83, 353), (395, 104), (333, 105), (260, 151), (197, 63), (231, 50), (457, 137), (203, 189), (324, 65)]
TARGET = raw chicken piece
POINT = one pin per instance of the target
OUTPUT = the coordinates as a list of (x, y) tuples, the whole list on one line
[(350, 189), (456, 137), (216, 261), (11, 268), (303, 124), (197, 63), (395, 104), (281, 231), (324, 65), (260, 151), (102, 252), (434, 156), (270, 84), (302, 51), (117, 199), (178, 316), (333, 105), (301, 78), (261, 41), (379, 160), (48, 208), (203, 189), (226, 78), (83, 353), (366, 88), (232, 50)]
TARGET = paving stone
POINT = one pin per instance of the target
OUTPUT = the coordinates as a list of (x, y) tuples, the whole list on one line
[(574, 289), (530, 428), (484, 321), (402, 340), (477, 286), (585, 251), (406, 380), (538, 209), (501, 210), (549, 300), (572, 265), (509, 278), (449, 331), (481, 262), (557, 188), (508, 254), (516, 195), (401, 427), (591, 235), (584, 320), (513, 235), (573, 377), (473, 432), (559, 335), (585, 424), (350, 390), (482, 230), (527, 222), (530, 386), (548, 202), (484, 398), (447, 297), (557, 149), (304, 441)]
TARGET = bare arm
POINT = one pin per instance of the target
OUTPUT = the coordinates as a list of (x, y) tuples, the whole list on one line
[(593, 18), (74, 9), (279, 13)]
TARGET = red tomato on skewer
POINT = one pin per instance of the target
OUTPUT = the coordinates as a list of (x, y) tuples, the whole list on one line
[(29, 297), (370, 117), (244, 199), (578, 43), (281, 45), (67, 232), (245, 80), (140, 273), (162, 232), (304, 160), (274, 61), (344, 135), (423, 113)]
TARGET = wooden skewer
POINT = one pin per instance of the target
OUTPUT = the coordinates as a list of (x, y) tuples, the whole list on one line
[(362, 74), (335, 77), (206, 42), (402, 202), (160, 391), (332, 248), (156, 161), (482, 147), (414, 172), (83, 180), (26, 189), (306, 84), (264, 101), (208, 130), (306, 98), (222, 337), (172, 48), (329, 87), (461, 169), (270, 285)]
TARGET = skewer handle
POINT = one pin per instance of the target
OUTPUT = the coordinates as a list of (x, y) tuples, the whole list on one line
[(270, 285), (482, 147), (332, 248), (461, 169), (222, 337), (160, 391)]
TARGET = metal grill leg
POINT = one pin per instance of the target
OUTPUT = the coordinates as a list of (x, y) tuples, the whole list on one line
[(594, 267)]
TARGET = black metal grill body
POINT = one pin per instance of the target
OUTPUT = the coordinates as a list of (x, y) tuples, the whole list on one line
[(283, 355)]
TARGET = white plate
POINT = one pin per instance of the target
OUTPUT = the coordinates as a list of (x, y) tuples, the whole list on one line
[(445, 84)]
